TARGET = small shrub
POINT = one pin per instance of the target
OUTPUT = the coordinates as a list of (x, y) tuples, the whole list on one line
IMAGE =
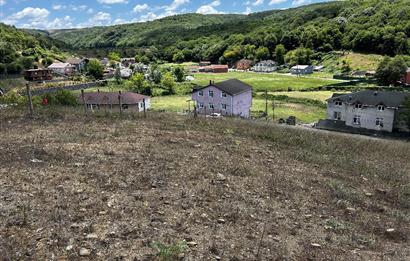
[(340, 191), (169, 252)]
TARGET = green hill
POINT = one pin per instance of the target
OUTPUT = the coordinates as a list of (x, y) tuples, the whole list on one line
[(370, 26), (21, 49)]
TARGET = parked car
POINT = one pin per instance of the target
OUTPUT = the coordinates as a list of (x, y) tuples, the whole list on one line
[(214, 115)]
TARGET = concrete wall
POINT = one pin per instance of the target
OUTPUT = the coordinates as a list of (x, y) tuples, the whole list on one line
[(242, 104), (116, 107)]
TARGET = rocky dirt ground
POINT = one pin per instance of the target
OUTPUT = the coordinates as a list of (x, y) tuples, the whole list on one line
[(112, 189)]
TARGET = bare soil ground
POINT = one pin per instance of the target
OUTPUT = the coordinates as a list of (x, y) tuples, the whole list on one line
[(108, 188)]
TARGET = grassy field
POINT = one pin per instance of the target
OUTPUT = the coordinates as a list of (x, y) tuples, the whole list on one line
[(317, 95), (115, 187), (302, 112), (357, 61), (270, 82)]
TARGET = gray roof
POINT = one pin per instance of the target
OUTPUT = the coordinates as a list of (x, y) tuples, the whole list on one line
[(74, 61), (231, 87), (373, 98)]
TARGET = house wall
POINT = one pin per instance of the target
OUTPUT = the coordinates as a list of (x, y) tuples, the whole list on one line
[(368, 116), (217, 100), (407, 78), (242, 104)]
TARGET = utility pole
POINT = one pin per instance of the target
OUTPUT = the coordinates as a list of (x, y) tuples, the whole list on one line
[(30, 100), (145, 108), (120, 102), (83, 99)]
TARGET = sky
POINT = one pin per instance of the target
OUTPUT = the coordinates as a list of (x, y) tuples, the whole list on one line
[(58, 14)]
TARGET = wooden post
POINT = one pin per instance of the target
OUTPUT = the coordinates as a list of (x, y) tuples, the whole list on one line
[(195, 112), (266, 104), (120, 102), (273, 110), (145, 108), (30, 100), (85, 104)]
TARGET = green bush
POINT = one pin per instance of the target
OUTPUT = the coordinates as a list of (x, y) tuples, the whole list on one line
[(62, 97)]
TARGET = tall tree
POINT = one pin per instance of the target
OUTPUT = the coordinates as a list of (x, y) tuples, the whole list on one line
[(280, 52), (391, 70)]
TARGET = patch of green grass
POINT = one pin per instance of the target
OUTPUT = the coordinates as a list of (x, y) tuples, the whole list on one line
[(169, 252), (270, 82), (317, 95), (282, 110)]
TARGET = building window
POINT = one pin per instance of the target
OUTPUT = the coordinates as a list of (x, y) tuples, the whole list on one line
[(223, 106), (379, 122), (125, 106), (211, 93), (201, 93), (356, 120), (223, 95), (337, 115), (338, 103), (201, 105), (358, 106), (211, 106), (380, 107)]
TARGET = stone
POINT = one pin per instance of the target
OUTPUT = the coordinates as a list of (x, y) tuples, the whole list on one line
[(91, 236), (390, 230), (36, 161), (220, 177), (69, 247), (368, 194), (84, 252), (221, 221), (78, 164), (315, 245), (192, 244)]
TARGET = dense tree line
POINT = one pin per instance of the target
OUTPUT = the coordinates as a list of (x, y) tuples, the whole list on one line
[(374, 26), (20, 50)]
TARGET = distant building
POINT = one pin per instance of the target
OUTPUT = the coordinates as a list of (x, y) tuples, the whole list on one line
[(370, 110), (318, 68), (406, 79), (125, 73), (62, 68), (110, 101), (215, 68), (38, 75), (243, 64), (265, 66), (78, 63), (301, 69), (105, 62), (204, 63), (231, 97)]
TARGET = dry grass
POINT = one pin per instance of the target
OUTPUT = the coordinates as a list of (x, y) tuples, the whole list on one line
[(117, 185)]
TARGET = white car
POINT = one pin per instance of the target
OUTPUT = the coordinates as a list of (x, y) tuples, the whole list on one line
[(214, 115)]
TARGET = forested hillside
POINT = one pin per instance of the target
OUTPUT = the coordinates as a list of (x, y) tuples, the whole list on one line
[(372, 26), (22, 50)]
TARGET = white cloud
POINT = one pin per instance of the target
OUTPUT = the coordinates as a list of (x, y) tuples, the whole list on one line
[(176, 4), (58, 7), (30, 13), (248, 10), (275, 2), (2, 2), (110, 2), (101, 18), (258, 2), (301, 2), (140, 8), (209, 8)]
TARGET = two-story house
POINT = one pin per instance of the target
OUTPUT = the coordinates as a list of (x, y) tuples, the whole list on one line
[(370, 110), (230, 98)]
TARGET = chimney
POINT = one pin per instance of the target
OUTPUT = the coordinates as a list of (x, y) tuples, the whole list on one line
[(210, 82)]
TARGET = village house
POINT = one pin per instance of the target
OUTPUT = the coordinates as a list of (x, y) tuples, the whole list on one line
[(62, 68), (38, 75), (243, 64), (230, 98), (214, 68), (370, 110), (265, 66), (78, 63), (112, 101), (318, 68), (301, 69), (204, 63)]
